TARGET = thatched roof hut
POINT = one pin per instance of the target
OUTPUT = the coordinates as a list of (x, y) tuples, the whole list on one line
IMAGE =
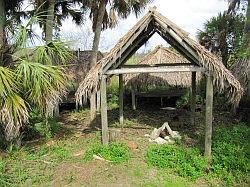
[(153, 22), (161, 55), (79, 67), (200, 59)]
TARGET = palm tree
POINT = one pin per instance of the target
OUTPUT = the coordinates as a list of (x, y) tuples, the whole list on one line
[(104, 14), (32, 81), (56, 11), (223, 35), (244, 60)]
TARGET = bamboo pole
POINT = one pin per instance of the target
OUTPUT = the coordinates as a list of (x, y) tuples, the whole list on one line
[(104, 115), (209, 116), (121, 90), (193, 98)]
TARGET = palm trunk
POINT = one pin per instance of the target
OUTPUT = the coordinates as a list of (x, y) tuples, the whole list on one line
[(2, 23), (98, 29), (50, 21)]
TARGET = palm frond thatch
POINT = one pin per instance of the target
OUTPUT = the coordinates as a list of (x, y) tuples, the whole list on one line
[(161, 55), (155, 22), (241, 70)]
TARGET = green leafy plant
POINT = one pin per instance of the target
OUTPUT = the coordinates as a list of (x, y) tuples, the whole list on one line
[(114, 152), (231, 152), (113, 102), (187, 162)]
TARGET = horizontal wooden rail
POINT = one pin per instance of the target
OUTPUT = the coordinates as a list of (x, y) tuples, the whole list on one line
[(164, 69)]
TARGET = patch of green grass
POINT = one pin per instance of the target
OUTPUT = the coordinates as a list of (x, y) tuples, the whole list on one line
[(114, 152), (60, 153), (186, 162), (231, 153), (54, 125)]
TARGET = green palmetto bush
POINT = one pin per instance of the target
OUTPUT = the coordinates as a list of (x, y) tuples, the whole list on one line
[(34, 78)]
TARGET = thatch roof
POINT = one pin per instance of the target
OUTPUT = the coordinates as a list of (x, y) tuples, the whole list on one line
[(241, 70), (78, 68), (153, 22), (161, 55)]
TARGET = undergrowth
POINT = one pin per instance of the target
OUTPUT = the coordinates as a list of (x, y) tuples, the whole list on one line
[(186, 162), (114, 152), (231, 153), (230, 163)]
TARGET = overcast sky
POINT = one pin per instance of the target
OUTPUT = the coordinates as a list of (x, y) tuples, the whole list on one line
[(190, 15)]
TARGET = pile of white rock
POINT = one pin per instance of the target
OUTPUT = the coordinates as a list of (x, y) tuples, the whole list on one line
[(163, 135)]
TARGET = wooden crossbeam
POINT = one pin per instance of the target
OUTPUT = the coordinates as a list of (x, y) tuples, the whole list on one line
[(128, 43), (164, 69), (154, 65)]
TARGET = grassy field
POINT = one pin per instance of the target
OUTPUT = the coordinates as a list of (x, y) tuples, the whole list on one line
[(60, 160)]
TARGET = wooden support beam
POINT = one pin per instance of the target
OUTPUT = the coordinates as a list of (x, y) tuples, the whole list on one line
[(98, 101), (92, 106), (177, 38), (193, 98), (163, 69), (209, 116), (134, 46), (155, 65), (121, 90), (133, 98), (104, 112), (129, 42)]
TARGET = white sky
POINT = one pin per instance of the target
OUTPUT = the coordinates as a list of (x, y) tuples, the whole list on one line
[(190, 15)]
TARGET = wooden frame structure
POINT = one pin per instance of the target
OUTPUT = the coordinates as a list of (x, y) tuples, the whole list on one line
[(201, 61)]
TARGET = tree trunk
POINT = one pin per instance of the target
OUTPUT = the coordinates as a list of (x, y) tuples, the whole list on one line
[(93, 59), (50, 21), (2, 23)]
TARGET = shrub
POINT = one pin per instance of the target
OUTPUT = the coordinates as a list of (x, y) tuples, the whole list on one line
[(38, 126), (187, 162), (114, 152)]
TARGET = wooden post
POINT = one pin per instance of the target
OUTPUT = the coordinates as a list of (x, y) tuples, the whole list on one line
[(209, 116), (98, 101), (121, 88), (193, 98), (104, 113), (92, 106), (133, 98)]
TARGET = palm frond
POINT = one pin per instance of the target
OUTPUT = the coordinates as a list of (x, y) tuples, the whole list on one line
[(54, 52), (43, 85), (13, 112)]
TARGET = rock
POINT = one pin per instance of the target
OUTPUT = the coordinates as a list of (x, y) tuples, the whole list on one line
[(160, 140), (167, 138), (132, 145), (176, 135)]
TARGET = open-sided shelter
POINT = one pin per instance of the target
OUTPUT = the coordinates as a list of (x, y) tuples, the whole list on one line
[(174, 82), (200, 59)]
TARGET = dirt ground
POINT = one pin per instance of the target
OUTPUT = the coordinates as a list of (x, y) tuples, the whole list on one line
[(59, 161), (135, 172)]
